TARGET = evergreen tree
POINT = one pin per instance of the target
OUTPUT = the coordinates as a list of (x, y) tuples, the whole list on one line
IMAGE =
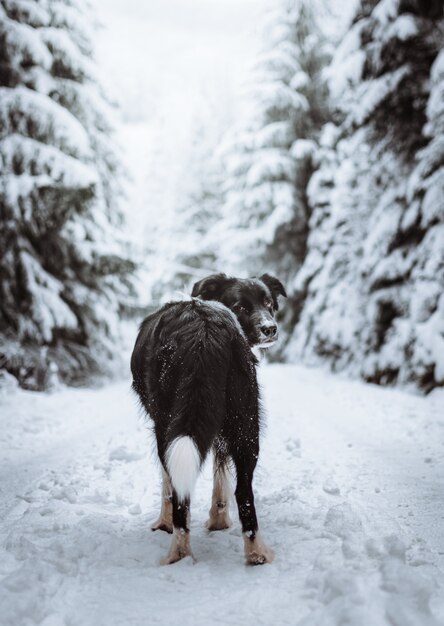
[(197, 196), (374, 272), (269, 156), (64, 269)]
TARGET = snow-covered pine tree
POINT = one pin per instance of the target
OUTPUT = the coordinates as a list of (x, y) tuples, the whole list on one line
[(419, 239), (196, 212), (268, 156), (195, 200), (374, 271), (64, 267)]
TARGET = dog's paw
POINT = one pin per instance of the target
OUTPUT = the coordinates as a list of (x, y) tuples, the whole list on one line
[(219, 522), (256, 552), (163, 524), (259, 557), (211, 525), (176, 556), (179, 549)]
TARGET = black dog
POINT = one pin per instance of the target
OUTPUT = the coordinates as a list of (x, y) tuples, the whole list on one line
[(195, 374)]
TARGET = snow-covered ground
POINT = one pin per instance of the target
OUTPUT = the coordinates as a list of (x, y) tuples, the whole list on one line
[(349, 495)]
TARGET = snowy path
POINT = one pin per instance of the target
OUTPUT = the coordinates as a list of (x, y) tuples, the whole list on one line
[(349, 494)]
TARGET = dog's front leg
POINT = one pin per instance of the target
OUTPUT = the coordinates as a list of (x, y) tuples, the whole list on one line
[(256, 552), (219, 514), (165, 521)]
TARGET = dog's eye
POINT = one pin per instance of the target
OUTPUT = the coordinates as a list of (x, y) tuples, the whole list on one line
[(268, 303), (239, 308)]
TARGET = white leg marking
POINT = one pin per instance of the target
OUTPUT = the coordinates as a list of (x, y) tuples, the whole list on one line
[(256, 552), (165, 521), (219, 511), (180, 545)]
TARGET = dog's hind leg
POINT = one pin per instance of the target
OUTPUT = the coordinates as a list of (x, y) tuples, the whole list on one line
[(183, 462), (165, 521), (219, 514), (180, 544)]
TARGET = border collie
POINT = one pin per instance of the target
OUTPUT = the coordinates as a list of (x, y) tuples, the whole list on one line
[(194, 371)]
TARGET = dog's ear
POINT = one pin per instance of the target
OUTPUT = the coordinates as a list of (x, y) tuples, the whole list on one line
[(211, 287), (275, 286)]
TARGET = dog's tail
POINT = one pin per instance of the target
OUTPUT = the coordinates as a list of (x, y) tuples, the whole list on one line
[(183, 463)]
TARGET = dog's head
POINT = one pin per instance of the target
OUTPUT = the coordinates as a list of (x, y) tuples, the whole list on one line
[(254, 301)]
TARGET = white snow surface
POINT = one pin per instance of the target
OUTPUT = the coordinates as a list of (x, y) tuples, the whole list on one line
[(348, 494)]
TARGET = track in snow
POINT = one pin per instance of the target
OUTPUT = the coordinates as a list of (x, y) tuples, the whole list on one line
[(349, 495)]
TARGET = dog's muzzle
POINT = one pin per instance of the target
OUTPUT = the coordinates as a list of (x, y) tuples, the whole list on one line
[(268, 335)]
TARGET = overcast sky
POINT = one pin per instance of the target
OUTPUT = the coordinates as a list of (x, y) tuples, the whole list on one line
[(160, 49)]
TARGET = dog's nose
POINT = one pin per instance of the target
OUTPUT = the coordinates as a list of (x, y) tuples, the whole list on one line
[(269, 331)]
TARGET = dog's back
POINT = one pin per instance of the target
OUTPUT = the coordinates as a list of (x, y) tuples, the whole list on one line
[(189, 362)]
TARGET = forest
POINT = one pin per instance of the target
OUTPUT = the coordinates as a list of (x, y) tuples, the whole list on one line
[(145, 145), (331, 178)]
